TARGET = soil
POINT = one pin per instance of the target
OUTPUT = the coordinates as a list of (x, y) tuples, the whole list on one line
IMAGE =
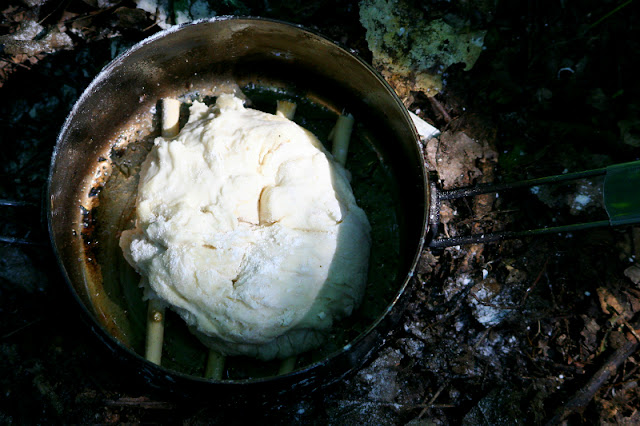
[(531, 330)]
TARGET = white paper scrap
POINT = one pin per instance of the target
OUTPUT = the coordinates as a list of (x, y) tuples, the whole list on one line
[(425, 130)]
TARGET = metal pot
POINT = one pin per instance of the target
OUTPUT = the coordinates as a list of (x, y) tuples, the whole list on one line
[(93, 178)]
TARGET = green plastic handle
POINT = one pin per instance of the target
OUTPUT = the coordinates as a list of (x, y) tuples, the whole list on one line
[(621, 192)]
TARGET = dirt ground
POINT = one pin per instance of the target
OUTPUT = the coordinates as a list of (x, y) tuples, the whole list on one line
[(534, 330)]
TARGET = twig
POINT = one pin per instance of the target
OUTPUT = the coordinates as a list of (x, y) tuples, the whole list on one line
[(579, 402), (619, 317), (22, 327), (482, 337), (535, 282), (63, 4), (432, 400), (439, 108), (618, 8), (631, 329), (149, 27)]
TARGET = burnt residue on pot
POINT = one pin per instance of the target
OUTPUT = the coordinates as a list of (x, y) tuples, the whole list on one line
[(88, 226)]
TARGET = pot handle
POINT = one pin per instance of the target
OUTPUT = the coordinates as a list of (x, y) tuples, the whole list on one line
[(28, 238), (621, 195)]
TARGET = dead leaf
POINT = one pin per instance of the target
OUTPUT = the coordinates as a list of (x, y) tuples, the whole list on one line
[(608, 302), (633, 273), (633, 296), (32, 38), (590, 331), (454, 155)]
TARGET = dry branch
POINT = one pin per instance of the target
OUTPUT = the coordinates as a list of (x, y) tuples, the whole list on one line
[(579, 402)]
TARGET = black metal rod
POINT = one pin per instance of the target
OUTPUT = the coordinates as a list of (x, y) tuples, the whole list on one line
[(485, 189), (499, 236)]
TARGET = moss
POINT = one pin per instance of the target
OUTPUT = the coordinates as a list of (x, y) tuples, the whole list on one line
[(411, 50)]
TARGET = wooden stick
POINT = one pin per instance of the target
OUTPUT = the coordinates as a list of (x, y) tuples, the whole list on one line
[(215, 365), (287, 365), (579, 402), (340, 136), (156, 310), (286, 109), (155, 331), (170, 117)]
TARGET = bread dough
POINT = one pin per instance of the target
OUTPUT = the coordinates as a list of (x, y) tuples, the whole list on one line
[(247, 227)]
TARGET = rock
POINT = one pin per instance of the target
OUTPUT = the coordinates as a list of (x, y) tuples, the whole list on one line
[(414, 348), (413, 52), (485, 300), (381, 377), (454, 285), (587, 196)]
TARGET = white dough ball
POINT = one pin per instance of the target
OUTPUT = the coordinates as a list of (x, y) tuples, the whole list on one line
[(247, 227)]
